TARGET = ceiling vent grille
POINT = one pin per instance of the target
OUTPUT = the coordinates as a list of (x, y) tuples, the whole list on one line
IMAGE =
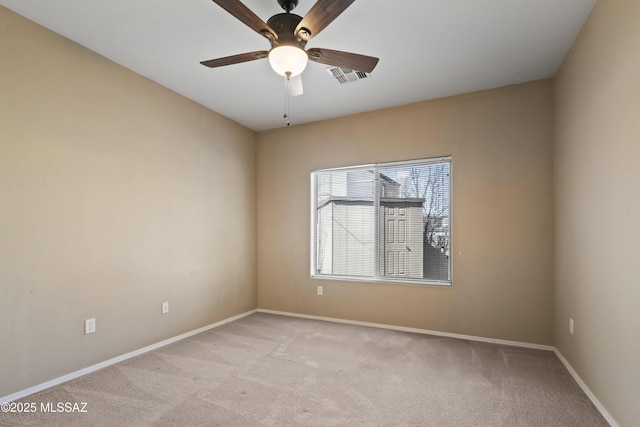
[(345, 76)]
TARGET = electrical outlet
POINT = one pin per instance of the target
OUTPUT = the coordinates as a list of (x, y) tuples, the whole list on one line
[(165, 307), (89, 326), (320, 290), (571, 326)]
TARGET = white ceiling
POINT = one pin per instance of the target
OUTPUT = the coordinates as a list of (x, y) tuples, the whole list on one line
[(427, 48)]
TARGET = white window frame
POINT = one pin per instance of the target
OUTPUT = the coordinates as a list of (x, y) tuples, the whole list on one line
[(375, 277)]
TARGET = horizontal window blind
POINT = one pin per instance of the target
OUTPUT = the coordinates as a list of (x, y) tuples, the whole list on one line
[(344, 209)]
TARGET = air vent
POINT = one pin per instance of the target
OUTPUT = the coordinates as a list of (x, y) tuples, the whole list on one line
[(345, 76)]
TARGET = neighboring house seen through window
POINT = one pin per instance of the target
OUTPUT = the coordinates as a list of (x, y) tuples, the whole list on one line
[(387, 222)]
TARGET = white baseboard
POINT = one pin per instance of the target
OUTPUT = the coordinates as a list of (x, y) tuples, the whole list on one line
[(97, 366), (607, 416), (414, 330)]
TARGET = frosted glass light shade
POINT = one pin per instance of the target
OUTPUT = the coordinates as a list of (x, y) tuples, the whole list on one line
[(288, 59)]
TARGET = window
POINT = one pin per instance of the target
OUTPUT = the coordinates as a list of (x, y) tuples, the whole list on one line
[(383, 222)]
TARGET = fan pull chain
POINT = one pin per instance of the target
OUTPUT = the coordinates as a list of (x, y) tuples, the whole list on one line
[(286, 101)]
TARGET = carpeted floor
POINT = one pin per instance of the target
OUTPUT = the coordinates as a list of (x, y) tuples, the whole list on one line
[(269, 370)]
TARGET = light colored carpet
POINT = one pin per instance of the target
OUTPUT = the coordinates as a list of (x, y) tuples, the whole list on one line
[(269, 370)]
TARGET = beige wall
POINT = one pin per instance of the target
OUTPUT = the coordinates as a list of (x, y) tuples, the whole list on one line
[(501, 146), (597, 170), (115, 195)]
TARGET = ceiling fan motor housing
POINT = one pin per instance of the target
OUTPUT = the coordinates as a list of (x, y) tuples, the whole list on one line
[(284, 24)]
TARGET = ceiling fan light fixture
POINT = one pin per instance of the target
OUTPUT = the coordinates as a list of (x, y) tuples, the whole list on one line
[(288, 60)]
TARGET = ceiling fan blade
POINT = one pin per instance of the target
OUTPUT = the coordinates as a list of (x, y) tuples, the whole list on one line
[(294, 85), (236, 59), (352, 61), (246, 16), (322, 14)]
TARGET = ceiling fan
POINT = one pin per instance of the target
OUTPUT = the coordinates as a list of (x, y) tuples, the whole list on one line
[(288, 34)]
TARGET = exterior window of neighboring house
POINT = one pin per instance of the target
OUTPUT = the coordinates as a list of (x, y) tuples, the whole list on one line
[(383, 222)]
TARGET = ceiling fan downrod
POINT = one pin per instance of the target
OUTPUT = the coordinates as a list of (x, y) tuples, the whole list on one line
[(288, 5)]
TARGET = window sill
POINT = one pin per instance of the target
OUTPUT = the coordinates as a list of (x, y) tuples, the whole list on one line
[(389, 280)]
